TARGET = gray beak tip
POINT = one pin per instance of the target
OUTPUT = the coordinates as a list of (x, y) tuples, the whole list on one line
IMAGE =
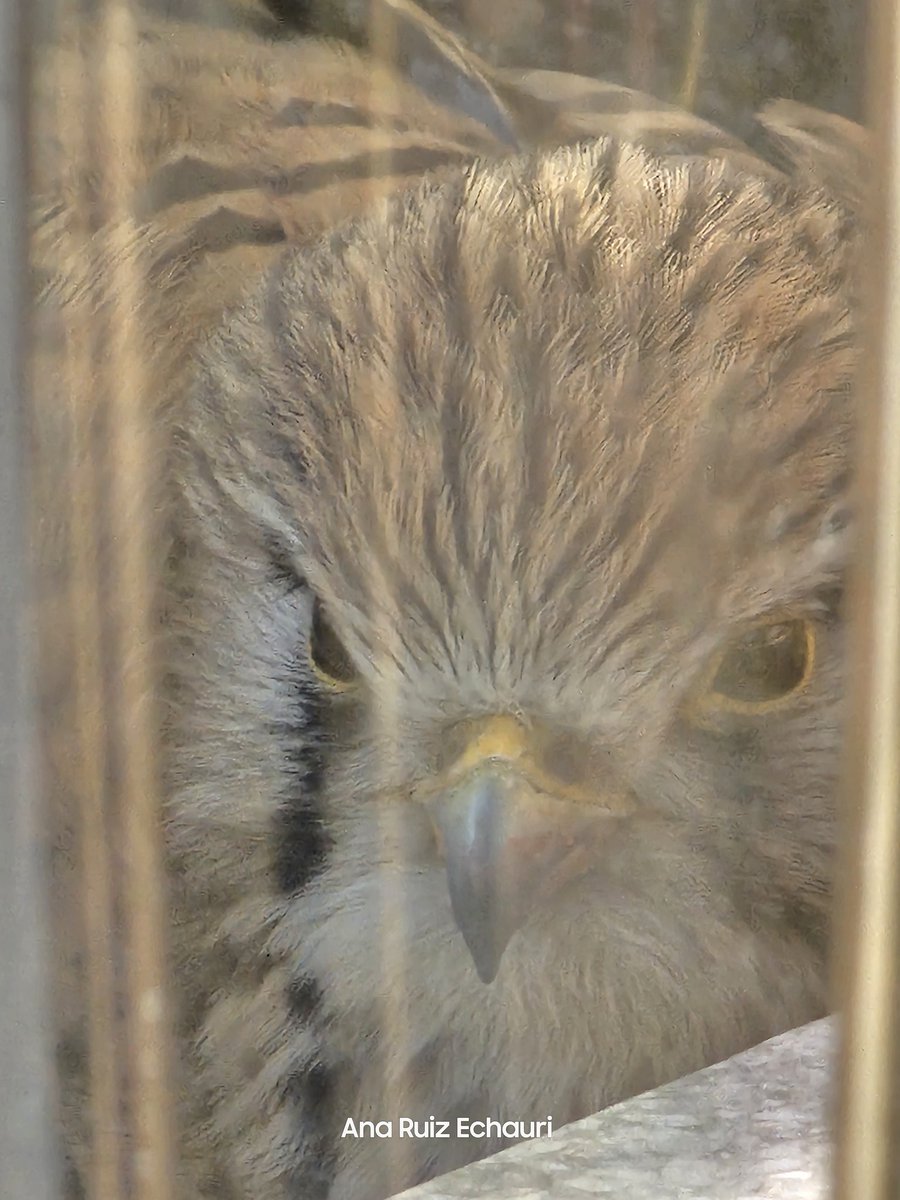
[(486, 950), (487, 972)]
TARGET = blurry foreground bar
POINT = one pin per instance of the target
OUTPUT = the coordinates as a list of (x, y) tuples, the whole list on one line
[(868, 928), (27, 1163), (752, 1128)]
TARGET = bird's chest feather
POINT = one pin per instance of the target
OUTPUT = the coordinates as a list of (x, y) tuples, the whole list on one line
[(616, 987)]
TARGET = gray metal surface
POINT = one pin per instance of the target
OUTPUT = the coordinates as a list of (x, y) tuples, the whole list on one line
[(752, 1128), (27, 1160)]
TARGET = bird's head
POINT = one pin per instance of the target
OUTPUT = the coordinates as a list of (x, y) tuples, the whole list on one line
[(531, 488)]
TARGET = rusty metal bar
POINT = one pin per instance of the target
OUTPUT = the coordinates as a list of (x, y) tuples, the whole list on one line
[(28, 1162), (869, 895)]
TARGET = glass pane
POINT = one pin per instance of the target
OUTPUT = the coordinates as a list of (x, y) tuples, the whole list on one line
[(445, 538)]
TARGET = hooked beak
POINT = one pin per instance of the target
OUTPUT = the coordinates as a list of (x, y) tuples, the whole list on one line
[(510, 839)]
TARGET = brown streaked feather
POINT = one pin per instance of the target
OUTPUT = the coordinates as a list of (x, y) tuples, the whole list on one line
[(242, 143), (295, 137)]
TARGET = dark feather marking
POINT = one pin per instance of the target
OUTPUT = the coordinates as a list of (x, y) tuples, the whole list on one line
[(304, 998), (191, 178), (309, 1091), (301, 841), (302, 844), (607, 168), (317, 112), (220, 231), (677, 248), (284, 572), (315, 1085), (300, 14), (226, 227)]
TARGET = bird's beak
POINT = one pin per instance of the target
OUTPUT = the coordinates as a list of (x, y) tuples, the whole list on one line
[(510, 839)]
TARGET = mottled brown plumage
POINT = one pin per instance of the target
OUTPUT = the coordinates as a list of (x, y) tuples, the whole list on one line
[(474, 508)]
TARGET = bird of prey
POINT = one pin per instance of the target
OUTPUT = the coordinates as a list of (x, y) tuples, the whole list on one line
[(507, 523)]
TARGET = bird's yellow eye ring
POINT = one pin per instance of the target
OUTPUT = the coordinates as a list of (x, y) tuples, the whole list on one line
[(327, 655), (762, 668)]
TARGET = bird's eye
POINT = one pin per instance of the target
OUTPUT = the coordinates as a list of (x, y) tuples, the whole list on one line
[(766, 664), (330, 661)]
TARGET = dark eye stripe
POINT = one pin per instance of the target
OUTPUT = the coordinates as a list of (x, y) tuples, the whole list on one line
[(301, 841)]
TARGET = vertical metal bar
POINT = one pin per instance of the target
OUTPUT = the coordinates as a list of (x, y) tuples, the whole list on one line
[(696, 53), (28, 1162), (133, 455), (642, 20), (866, 961), (87, 797)]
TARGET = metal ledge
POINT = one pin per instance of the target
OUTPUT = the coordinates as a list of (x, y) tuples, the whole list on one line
[(755, 1127)]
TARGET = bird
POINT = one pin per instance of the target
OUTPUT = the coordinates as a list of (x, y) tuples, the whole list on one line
[(508, 514), (504, 756)]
